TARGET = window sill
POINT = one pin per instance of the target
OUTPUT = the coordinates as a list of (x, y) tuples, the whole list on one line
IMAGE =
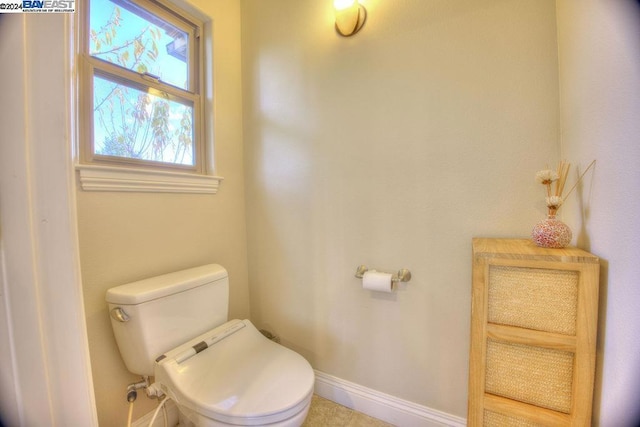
[(107, 178)]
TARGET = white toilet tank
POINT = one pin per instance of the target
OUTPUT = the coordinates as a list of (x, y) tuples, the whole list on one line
[(152, 316)]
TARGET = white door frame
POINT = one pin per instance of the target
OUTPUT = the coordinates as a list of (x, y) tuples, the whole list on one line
[(43, 334)]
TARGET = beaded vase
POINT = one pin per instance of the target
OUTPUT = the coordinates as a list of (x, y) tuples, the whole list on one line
[(551, 233)]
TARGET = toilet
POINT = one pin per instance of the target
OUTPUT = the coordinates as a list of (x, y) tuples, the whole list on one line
[(219, 373)]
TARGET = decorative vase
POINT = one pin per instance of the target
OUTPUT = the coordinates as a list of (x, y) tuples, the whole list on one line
[(551, 233)]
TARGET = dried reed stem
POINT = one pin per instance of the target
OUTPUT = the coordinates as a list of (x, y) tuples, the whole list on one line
[(563, 172), (580, 178)]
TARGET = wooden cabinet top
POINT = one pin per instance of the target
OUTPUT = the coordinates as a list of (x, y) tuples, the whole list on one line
[(526, 249)]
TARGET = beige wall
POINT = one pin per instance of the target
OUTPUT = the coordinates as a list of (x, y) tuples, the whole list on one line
[(391, 149), (129, 236), (599, 47)]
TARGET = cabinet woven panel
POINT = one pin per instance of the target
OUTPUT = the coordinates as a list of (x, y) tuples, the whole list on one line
[(494, 419), (544, 300), (534, 375)]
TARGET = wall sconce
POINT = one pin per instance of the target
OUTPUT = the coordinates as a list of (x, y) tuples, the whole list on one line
[(350, 16)]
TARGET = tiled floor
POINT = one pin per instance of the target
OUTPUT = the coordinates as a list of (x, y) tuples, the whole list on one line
[(325, 413)]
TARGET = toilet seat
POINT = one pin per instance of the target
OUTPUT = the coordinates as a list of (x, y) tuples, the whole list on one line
[(234, 375)]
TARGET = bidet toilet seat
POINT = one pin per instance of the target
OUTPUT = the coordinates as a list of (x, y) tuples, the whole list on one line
[(234, 375)]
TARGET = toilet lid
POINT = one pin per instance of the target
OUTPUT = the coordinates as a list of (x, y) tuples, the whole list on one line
[(237, 377)]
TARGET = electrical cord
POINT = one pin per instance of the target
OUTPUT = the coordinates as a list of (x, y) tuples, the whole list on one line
[(157, 411), (164, 413)]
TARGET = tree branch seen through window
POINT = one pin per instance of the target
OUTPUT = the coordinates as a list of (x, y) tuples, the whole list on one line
[(133, 120)]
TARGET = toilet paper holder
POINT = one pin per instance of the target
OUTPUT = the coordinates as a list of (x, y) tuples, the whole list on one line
[(403, 275)]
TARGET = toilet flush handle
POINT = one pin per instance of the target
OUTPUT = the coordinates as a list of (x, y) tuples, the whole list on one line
[(119, 315)]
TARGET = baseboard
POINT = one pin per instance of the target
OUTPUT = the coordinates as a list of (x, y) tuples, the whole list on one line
[(379, 405), (172, 417), (382, 406)]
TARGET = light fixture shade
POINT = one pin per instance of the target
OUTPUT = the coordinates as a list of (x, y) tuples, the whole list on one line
[(350, 17)]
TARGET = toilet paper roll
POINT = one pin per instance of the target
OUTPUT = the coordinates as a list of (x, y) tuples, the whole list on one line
[(377, 281)]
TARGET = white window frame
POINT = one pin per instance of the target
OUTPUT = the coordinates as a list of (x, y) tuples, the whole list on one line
[(104, 173)]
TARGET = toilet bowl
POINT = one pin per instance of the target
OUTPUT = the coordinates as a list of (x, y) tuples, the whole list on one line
[(218, 372), (242, 378)]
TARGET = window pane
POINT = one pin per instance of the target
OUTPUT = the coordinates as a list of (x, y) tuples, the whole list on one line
[(131, 37), (135, 124)]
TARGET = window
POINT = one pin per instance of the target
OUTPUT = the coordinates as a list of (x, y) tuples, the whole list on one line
[(141, 91)]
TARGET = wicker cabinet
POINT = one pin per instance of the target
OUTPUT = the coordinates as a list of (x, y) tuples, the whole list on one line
[(533, 334)]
